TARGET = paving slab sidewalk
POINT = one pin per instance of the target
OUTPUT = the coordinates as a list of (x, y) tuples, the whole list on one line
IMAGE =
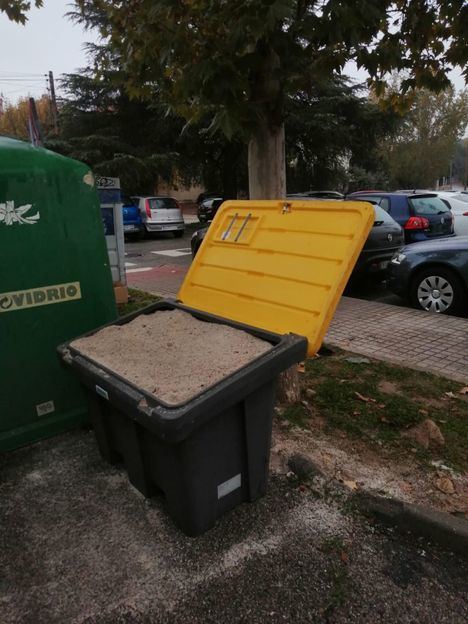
[(429, 342)]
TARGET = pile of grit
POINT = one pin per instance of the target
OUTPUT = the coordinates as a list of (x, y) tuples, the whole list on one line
[(171, 354)]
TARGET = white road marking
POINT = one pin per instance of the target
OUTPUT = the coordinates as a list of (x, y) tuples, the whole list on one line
[(129, 264), (174, 253), (140, 270)]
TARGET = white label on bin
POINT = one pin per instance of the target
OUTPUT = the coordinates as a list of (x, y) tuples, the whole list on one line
[(229, 486), (45, 408), (102, 392), (44, 295)]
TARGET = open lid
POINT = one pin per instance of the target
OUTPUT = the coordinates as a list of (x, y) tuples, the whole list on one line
[(278, 265)]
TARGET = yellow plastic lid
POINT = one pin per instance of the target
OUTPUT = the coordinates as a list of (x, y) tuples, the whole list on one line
[(278, 265)]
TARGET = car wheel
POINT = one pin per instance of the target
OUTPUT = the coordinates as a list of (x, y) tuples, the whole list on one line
[(438, 290), (179, 234), (195, 249)]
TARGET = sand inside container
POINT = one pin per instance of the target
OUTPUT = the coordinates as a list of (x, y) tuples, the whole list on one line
[(171, 354)]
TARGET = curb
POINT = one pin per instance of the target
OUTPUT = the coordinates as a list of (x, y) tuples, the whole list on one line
[(440, 527)]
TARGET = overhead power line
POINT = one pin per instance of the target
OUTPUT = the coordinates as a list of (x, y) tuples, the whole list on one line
[(21, 79)]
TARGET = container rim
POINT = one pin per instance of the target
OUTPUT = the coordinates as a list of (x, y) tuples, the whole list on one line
[(152, 400)]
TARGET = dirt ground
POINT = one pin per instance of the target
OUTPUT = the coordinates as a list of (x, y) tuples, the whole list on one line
[(358, 466), (381, 428)]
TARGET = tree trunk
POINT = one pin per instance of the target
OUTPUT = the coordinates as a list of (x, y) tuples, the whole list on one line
[(231, 155), (267, 167), (267, 180)]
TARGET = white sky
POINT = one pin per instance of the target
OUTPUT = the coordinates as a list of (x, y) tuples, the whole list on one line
[(50, 41)]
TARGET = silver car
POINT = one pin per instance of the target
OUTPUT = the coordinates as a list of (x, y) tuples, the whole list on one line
[(160, 214)]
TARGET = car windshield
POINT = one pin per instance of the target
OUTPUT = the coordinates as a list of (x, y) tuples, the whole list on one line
[(157, 203), (376, 199), (460, 197), (382, 216), (428, 205)]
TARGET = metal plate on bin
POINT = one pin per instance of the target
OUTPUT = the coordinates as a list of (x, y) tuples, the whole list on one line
[(278, 265)]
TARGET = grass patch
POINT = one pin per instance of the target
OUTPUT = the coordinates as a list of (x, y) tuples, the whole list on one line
[(137, 299), (378, 401), (296, 415)]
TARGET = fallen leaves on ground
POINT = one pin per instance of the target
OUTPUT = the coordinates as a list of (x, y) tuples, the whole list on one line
[(363, 398), (445, 485)]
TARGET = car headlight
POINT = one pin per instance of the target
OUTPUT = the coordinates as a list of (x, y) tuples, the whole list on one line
[(398, 258)]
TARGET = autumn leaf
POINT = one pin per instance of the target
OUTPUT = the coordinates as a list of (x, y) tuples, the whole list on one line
[(363, 398)]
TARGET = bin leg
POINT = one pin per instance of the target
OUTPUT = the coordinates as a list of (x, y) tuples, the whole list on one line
[(117, 438), (258, 424), (99, 410), (133, 458)]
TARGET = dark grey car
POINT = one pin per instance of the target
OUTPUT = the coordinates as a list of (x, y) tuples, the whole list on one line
[(432, 275), (385, 238)]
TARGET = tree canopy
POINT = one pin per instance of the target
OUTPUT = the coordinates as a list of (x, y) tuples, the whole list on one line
[(237, 63), (15, 119), (17, 10), (238, 60), (426, 144)]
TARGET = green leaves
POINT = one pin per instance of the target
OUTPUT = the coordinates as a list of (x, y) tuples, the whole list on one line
[(426, 144), (208, 56), (16, 9)]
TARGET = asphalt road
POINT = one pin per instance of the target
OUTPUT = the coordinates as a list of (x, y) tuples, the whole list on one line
[(159, 264), (80, 545)]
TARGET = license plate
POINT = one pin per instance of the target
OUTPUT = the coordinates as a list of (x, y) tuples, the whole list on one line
[(129, 228)]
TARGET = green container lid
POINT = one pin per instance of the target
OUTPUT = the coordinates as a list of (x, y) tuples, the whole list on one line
[(55, 284)]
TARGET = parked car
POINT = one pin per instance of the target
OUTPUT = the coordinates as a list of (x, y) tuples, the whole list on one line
[(132, 223), (423, 216), (432, 275), (207, 195), (457, 201), (316, 195), (208, 208), (160, 214), (385, 238)]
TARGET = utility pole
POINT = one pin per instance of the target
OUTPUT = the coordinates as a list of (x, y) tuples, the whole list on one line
[(53, 101), (35, 130)]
